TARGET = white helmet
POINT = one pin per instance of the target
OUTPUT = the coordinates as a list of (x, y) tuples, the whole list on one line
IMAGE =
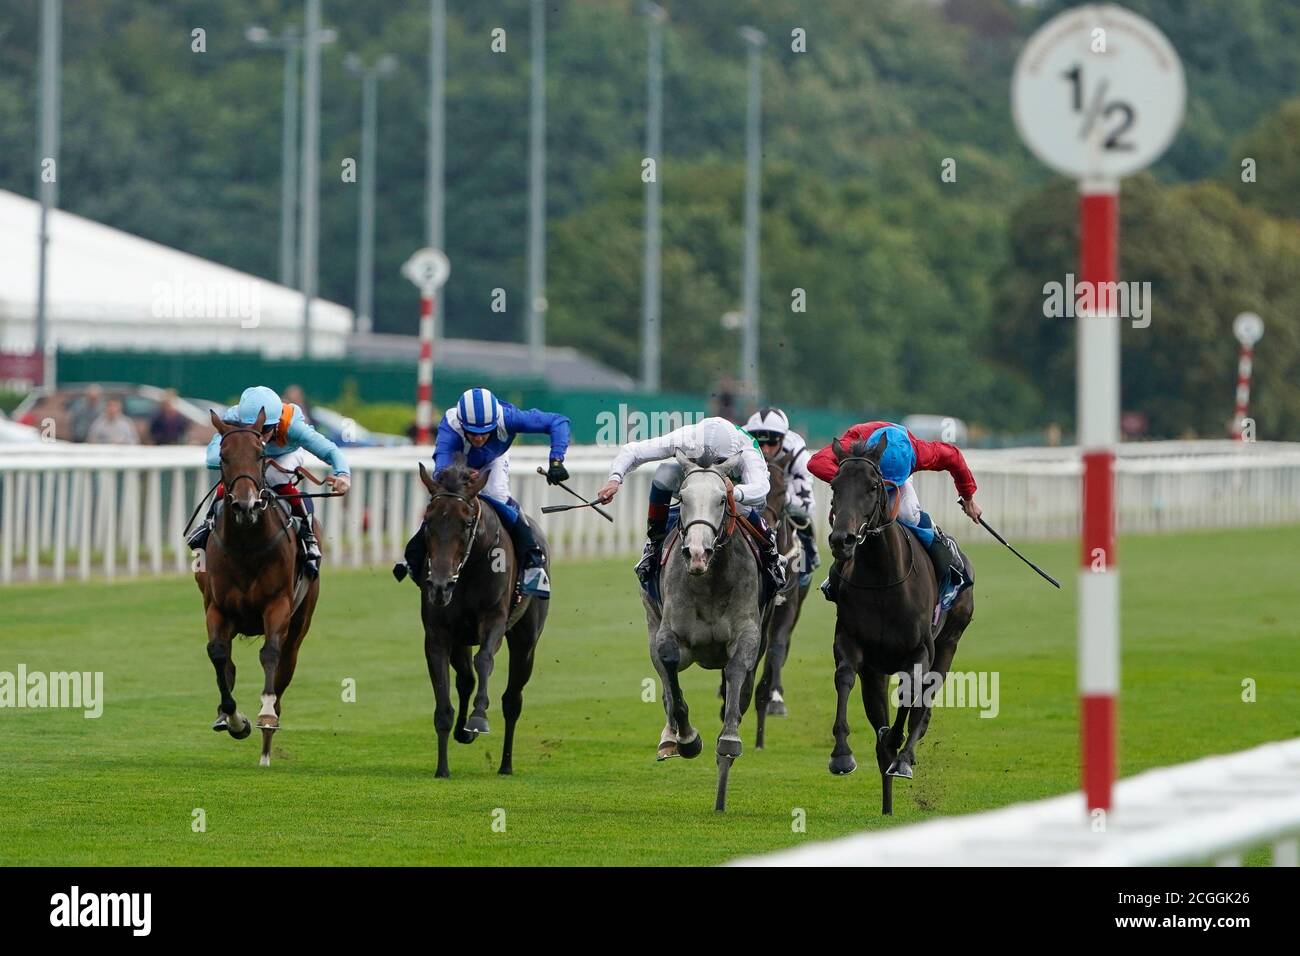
[(768, 422)]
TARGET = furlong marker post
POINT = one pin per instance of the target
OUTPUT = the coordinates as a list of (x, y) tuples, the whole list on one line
[(428, 269), (1098, 94)]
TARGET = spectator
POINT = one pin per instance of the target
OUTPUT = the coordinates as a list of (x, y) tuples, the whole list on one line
[(294, 395), (168, 426), (89, 409), (112, 427)]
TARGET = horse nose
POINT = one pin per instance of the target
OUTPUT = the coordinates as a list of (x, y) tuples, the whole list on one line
[(838, 538)]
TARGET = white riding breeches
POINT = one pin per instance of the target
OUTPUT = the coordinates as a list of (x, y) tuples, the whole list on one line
[(909, 507), (498, 480)]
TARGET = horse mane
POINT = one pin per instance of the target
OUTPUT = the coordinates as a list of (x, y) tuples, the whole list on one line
[(859, 448), (708, 459), (454, 477)]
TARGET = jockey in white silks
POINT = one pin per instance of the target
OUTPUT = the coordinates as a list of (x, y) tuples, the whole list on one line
[(715, 437), (771, 429)]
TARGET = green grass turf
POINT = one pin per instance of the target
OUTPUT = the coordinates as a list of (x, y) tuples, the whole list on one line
[(352, 783)]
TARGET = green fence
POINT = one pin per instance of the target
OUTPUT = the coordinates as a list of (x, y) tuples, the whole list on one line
[(595, 414)]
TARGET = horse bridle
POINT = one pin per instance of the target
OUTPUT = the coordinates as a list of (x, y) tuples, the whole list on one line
[(866, 529), (720, 538), (472, 532), (263, 493)]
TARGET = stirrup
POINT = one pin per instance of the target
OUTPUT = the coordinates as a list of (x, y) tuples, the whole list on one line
[(536, 583)]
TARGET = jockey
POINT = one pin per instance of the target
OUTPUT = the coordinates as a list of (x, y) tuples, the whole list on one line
[(482, 428), (904, 455), (712, 435), (287, 437), (770, 427)]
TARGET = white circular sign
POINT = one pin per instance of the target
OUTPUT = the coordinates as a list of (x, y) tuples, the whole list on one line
[(428, 268), (1248, 328), (1098, 92)]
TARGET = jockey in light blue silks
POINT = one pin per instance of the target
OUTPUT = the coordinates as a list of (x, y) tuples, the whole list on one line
[(287, 437), (482, 428)]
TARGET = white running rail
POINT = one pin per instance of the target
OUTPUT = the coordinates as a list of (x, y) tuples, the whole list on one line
[(1211, 810), (73, 511)]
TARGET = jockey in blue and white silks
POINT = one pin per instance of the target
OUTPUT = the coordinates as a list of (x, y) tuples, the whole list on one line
[(287, 436), (482, 428)]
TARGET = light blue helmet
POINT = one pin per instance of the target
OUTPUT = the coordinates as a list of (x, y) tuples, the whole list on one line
[(478, 410), (898, 460), (257, 399)]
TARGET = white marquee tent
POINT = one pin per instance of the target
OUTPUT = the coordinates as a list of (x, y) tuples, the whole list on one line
[(110, 289)]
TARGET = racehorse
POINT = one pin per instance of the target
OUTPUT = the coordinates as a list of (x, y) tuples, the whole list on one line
[(465, 537), (710, 613), (769, 693), (884, 621), (247, 578)]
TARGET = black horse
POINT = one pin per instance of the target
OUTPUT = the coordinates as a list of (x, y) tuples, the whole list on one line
[(468, 599), (884, 612)]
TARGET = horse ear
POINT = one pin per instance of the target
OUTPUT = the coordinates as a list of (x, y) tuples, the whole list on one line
[(475, 486), (837, 449), (261, 420), (682, 460), (429, 483), (726, 466), (217, 423), (876, 451)]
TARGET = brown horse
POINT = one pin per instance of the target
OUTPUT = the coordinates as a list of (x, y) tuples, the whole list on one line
[(785, 615), (247, 581), (467, 600)]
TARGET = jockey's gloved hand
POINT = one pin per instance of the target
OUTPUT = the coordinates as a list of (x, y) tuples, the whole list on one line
[(557, 472)]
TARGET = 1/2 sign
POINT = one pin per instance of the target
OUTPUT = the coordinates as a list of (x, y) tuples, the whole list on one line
[(1098, 93)]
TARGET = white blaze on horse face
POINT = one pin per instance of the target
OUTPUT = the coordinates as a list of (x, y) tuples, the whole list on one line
[(703, 504)]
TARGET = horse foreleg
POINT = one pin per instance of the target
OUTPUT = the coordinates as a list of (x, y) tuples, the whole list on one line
[(435, 655), (842, 761), (679, 737), (275, 624), (220, 635), (739, 676), (875, 701), (484, 662), (463, 664)]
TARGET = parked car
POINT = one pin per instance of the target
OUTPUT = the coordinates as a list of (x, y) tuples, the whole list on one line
[(69, 407), (15, 433), (348, 434)]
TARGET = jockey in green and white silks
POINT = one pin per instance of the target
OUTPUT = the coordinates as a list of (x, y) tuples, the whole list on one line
[(288, 436), (711, 436)]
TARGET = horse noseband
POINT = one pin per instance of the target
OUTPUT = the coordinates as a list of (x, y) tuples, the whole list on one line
[(866, 529)]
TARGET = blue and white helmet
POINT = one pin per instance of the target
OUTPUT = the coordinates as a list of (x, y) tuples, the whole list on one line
[(478, 411), (257, 399)]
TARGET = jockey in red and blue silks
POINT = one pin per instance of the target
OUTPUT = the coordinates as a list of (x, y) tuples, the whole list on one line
[(482, 428), (905, 454), (287, 435)]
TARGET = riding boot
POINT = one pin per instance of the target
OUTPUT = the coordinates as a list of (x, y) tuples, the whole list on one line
[(773, 561), (310, 546), (532, 559), (656, 529), (198, 539), (811, 560), (947, 569), (414, 563)]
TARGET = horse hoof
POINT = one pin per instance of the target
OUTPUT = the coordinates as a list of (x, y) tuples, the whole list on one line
[(692, 749), (728, 747), (268, 723), (506, 771), (667, 749), (777, 708), (241, 734), (442, 773), (264, 760), (464, 736), (477, 725), (221, 723), (900, 768), (843, 765)]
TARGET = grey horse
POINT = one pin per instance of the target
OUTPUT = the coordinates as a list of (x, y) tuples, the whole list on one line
[(710, 614)]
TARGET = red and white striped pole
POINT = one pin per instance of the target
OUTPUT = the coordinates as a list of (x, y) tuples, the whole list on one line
[(1247, 327), (1098, 415), (428, 268), (424, 372)]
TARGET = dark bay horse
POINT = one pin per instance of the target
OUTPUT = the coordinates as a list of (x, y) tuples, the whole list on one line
[(467, 600), (887, 595), (248, 583), (785, 615)]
